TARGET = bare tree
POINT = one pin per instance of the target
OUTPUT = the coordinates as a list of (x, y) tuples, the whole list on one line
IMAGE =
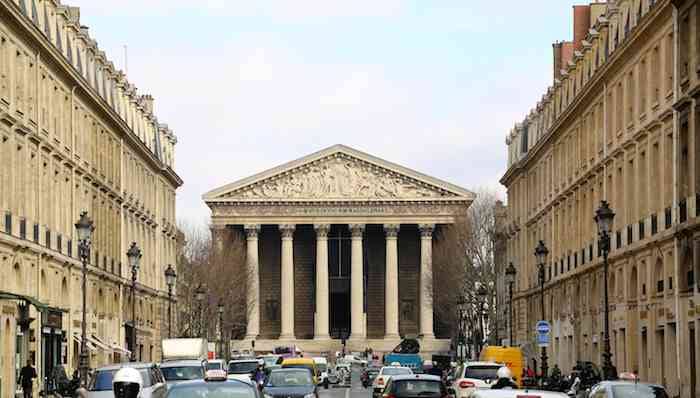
[(221, 272)]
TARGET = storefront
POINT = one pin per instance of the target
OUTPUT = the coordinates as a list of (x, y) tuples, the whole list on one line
[(53, 341)]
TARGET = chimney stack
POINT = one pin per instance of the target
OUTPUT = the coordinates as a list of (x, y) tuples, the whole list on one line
[(582, 22), (563, 53)]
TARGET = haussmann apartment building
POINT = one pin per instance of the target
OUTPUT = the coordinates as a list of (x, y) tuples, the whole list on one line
[(75, 135), (621, 123)]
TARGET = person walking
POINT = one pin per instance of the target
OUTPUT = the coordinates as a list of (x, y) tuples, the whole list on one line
[(26, 379)]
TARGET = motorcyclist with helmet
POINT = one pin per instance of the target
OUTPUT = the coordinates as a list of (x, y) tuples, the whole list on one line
[(505, 379), (127, 383), (259, 374)]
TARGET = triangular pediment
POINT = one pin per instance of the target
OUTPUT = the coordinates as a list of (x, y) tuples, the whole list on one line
[(338, 173)]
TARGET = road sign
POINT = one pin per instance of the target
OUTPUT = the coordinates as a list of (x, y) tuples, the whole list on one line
[(543, 330)]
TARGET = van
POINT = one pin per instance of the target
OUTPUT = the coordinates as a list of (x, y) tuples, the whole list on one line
[(512, 357), (302, 363)]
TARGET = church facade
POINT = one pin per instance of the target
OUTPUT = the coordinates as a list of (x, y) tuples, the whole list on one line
[(338, 246)]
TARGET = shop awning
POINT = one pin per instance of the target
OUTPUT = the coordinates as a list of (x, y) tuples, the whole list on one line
[(96, 340), (121, 350), (90, 345), (31, 300)]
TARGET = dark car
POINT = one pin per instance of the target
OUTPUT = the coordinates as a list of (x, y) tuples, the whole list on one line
[(290, 383), (215, 386), (415, 386), (627, 389)]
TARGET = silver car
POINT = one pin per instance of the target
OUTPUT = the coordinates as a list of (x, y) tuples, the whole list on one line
[(182, 370), (100, 385)]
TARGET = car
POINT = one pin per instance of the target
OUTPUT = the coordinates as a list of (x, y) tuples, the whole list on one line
[(414, 386), (626, 389), (385, 374), (242, 369), (369, 374), (488, 393), (290, 382), (214, 385), (216, 364), (322, 368), (100, 385), (472, 375), (355, 360), (305, 363), (342, 373), (182, 370), (271, 360)]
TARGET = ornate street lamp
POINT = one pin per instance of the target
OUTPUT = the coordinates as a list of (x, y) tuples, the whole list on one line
[(200, 294), (134, 256), (604, 217), (541, 253), (220, 310), (510, 280), (170, 277), (482, 293), (84, 227)]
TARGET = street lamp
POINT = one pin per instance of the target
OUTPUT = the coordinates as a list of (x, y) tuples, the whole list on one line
[(482, 293), (604, 218), (200, 295), (170, 277), (461, 340), (510, 280), (220, 310), (134, 256), (541, 253), (84, 227)]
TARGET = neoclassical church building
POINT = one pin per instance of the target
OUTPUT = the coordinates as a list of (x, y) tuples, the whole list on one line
[(339, 246)]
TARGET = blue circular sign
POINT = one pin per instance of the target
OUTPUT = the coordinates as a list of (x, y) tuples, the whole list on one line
[(543, 327)]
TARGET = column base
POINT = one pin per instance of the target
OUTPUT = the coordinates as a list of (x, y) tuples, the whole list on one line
[(393, 336), (322, 337), (287, 337), (250, 337), (426, 336)]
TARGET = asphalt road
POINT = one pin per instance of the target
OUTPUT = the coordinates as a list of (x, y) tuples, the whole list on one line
[(355, 391)]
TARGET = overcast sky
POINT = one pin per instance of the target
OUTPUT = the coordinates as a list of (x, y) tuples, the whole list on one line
[(247, 85)]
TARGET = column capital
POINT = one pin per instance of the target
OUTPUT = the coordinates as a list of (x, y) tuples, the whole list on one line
[(251, 230), (426, 230), (392, 230), (356, 230), (287, 230), (322, 230)]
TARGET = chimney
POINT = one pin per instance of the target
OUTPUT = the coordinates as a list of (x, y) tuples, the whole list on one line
[(582, 22), (556, 47), (567, 53)]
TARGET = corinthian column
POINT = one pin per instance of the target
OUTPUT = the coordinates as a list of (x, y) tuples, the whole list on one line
[(357, 318), (321, 325), (426, 280), (253, 298), (391, 283), (287, 282)]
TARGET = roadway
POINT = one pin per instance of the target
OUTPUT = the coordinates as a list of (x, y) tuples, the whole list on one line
[(354, 391)]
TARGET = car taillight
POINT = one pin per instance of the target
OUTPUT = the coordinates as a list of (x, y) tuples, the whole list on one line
[(466, 384)]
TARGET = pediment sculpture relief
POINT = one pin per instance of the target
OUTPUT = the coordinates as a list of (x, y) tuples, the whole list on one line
[(339, 177)]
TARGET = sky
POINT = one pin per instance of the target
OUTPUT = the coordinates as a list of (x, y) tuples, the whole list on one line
[(247, 85)]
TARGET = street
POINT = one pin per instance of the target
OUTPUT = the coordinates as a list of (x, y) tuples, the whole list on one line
[(355, 391)]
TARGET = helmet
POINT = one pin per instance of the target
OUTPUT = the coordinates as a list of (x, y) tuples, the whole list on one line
[(127, 383), (261, 362), (504, 373)]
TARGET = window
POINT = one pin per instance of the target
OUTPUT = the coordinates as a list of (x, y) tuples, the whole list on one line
[(684, 45), (643, 86), (654, 75)]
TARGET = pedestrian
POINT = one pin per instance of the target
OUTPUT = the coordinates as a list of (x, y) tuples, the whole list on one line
[(26, 379)]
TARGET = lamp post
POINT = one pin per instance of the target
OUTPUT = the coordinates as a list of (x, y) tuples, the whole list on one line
[(170, 277), (84, 227), (134, 256), (541, 253), (199, 295), (510, 280), (220, 310), (604, 218), (461, 340), (482, 293)]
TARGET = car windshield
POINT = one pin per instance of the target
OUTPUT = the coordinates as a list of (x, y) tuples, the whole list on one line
[(269, 361), (214, 365), (638, 391), (289, 378), (396, 371), (176, 373), (242, 367), (416, 388), (481, 372), (102, 380), (212, 390)]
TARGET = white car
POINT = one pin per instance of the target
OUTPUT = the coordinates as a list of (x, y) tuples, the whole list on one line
[(355, 360), (322, 368), (515, 394), (474, 375), (384, 376), (100, 385)]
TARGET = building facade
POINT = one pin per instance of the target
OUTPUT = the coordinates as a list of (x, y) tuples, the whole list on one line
[(621, 123), (76, 136), (339, 246)]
